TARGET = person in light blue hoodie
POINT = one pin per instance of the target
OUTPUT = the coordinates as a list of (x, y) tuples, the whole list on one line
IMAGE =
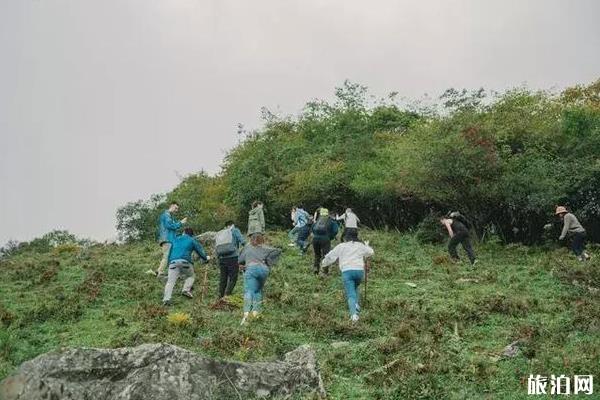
[(302, 229), (167, 231)]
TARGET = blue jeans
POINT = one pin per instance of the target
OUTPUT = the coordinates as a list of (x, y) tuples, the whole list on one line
[(254, 280), (302, 238), (352, 279), (293, 234)]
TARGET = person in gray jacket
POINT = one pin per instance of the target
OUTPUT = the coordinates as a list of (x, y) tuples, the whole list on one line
[(256, 260), (573, 228), (256, 219)]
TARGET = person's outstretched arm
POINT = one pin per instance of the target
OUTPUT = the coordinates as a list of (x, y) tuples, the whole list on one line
[(170, 223), (448, 226), (566, 225), (199, 250), (331, 257), (239, 237)]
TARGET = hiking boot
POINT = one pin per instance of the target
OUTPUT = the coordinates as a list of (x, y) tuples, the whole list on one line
[(167, 303), (187, 294)]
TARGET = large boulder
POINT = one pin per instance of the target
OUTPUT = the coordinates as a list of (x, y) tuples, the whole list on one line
[(159, 371)]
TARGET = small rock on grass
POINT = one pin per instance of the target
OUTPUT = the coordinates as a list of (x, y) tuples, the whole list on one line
[(512, 349)]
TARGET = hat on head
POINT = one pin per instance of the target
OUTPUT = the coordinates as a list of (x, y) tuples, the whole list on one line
[(323, 212), (560, 210)]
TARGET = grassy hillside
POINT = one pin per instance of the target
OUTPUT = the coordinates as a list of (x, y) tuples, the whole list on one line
[(439, 340)]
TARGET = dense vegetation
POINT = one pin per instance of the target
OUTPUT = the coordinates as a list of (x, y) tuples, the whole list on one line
[(503, 159), (442, 339)]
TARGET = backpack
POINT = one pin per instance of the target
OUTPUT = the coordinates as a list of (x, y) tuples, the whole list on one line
[(321, 227), (224, 244), (462, 219)]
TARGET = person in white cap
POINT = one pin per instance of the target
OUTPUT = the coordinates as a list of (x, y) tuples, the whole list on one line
[(572, 227)]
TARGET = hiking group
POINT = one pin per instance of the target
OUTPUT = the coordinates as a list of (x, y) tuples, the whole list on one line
[(255, 258)]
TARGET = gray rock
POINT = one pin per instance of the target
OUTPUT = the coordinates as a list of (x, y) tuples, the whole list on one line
[(512, 349), (157, 372)]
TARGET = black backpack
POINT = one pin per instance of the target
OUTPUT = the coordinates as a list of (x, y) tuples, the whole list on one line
[(321, 226), (462, 219)]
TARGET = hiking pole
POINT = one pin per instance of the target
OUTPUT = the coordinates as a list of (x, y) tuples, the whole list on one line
[(367, 267), (204, 283)]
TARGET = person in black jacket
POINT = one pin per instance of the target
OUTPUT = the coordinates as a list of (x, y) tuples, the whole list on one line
[(457, 227)]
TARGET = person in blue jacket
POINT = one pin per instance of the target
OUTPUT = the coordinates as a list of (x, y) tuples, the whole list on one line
[(181, 264), (167, 231)]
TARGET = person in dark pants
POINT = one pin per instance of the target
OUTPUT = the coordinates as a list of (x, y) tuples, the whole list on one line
[(459, 234), (227, 243), (324, 231), (572, 227)]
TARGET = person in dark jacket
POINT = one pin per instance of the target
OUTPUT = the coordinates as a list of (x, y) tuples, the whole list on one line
[(227, 242), (324, 230), (180, 263), (458, 231)]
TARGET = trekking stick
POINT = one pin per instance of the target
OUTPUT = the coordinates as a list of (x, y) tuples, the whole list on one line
[(367, 267), (204, 284)]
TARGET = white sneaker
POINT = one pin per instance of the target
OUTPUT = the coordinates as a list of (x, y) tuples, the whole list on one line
[(354, 318), (187, 294), (292, 244)]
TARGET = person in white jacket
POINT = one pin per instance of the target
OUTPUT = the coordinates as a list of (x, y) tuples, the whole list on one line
[(351, 257), (351, 222)]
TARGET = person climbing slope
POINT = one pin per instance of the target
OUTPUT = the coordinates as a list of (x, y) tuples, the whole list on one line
[(457, 226), (324, 230), (351, 222), (256, 219), (257, 259), (573, 229), (227, 243), (167, 231), (302, 228), (351, 257), (181, 264)]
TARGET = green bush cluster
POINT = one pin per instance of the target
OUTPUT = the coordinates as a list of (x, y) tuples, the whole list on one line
[(505, 160)]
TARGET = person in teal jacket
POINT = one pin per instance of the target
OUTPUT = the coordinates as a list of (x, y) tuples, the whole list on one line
[(324, 230), (167, 231), (180, 263)]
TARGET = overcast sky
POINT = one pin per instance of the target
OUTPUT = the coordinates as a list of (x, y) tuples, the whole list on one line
[(108, 101)]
